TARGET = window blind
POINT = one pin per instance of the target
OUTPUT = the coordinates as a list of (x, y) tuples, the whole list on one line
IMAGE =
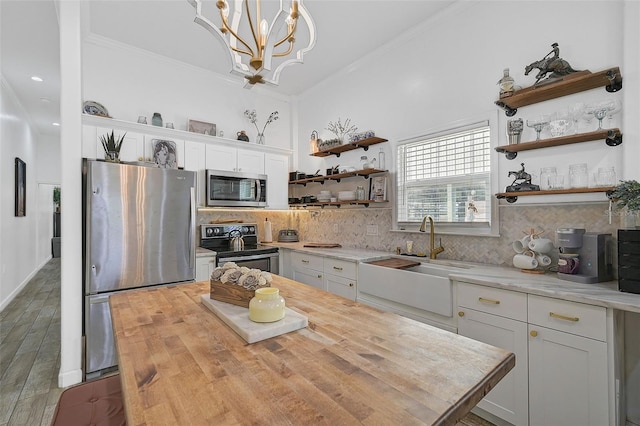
[(446, 176)]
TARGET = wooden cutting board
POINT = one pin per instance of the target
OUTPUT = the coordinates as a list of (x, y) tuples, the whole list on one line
[(395, 263), (322, 245)]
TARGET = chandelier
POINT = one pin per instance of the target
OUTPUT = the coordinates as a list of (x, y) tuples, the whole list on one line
[(258, 49)]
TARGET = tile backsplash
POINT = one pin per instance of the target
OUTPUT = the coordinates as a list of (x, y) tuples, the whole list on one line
[(370, 228)]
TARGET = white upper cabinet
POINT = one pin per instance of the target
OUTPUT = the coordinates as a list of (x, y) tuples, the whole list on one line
[(276, 167), (132, 146)]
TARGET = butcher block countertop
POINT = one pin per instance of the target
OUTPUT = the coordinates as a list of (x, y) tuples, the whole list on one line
[(180, 364)]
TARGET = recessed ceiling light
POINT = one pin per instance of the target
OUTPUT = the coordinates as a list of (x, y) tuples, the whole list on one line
[(36, 78), (56, 124)]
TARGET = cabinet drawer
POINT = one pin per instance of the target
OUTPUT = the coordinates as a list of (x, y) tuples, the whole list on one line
[(341, 286), (341, 268), (304, 260), (571, 317), (509, 304)]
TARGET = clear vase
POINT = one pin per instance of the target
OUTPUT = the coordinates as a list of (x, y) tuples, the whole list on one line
[(260, 140)]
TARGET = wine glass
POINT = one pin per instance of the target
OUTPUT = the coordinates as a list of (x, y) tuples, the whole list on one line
[(616, 106), (538, 125), (576, 112), (600, 111)]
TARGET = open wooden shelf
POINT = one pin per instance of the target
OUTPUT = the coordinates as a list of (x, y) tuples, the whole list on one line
[(337, 150), (337, 177), (338, 203), (612, 137), (512, 197), (567, 85)]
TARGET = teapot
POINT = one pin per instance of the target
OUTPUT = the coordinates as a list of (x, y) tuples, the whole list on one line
[(236, 243)]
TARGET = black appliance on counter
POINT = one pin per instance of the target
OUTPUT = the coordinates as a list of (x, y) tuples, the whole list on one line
[(218, 237), (629, 260)]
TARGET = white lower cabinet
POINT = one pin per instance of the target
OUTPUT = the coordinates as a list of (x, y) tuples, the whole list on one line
[(333, 275), (340, 277), (204, 267), (498, 317), (561, 375), (308, 269), (568, 380)]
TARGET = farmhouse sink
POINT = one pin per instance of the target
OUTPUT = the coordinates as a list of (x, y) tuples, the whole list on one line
[(425, 286)]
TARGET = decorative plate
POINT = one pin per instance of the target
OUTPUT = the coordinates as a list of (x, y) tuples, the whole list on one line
[(94, 108)]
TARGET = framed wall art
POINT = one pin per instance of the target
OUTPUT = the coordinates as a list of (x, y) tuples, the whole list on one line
[(378, 188), (164, 154), (21, 188), (202, 127)]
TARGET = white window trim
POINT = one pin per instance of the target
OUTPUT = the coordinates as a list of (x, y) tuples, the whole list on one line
[(458, 228)]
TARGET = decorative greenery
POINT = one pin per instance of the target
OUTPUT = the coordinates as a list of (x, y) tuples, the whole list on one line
[(56, 195), (340, 130), (252, 116), (111, 144), (626, 194)]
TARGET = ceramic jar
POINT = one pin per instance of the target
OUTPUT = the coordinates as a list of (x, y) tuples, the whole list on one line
[(156, 120), (267, 305)]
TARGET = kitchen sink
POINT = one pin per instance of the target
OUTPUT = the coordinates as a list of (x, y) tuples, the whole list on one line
[(425, 286), (436, 269)]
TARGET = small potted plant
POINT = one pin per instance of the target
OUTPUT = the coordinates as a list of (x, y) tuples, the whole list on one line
[(112, 146), (627, 195)]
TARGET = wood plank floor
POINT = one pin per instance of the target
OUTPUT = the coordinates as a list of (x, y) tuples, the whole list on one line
[(30, 353)]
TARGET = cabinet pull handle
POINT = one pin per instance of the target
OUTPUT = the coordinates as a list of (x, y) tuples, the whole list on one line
[(490, 301), (461, 314), (351, 284), (305, 261), (319, 276), (337, 268), (533, 333), (563, 317)]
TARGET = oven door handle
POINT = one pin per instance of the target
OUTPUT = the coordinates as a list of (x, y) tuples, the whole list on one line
[(240, 258)]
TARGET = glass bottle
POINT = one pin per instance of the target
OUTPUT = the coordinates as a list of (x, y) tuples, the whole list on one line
[(382, 160), (360, 193), (267, 305), (156, 120), (506, 84)]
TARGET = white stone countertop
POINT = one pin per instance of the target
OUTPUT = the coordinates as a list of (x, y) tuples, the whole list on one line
[(203, 252), (601, 294)]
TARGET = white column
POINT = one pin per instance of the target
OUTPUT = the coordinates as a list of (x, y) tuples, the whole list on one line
[(631, 91), (71, 172)]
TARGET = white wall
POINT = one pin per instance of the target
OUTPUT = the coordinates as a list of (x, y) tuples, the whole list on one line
[(18, 261), (143, 83), (447, 70)]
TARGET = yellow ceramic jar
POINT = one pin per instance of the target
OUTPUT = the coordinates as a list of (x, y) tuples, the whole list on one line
[(267, 305)]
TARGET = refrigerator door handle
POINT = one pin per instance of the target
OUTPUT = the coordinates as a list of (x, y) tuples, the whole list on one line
[(192, 250)]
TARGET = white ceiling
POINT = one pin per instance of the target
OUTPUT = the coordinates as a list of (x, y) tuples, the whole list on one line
[(347, 30)]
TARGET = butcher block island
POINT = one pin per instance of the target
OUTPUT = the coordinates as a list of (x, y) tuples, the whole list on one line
[(180, 364)]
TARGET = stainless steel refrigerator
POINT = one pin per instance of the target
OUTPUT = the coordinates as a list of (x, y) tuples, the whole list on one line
[(139, 231)]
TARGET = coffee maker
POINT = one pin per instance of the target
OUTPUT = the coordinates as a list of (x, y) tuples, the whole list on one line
[(593, 251)]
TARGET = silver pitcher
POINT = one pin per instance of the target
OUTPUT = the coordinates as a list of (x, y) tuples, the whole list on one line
[(236, 243)]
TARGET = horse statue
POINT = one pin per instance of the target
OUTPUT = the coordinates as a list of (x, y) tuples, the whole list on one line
[(555, 65), (524, 183)]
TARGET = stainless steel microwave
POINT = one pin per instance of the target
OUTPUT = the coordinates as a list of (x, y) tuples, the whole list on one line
[(236, 189)]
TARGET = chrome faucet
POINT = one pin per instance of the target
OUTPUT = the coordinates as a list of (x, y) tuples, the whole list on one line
[(433, 250)]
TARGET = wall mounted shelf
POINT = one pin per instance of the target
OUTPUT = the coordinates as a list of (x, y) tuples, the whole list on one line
[(612, 137), (512, 197), (338, 203), (337, 177), (364, 144), (580, 81)]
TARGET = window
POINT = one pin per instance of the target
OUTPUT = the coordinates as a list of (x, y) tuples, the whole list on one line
[(447, 176)]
